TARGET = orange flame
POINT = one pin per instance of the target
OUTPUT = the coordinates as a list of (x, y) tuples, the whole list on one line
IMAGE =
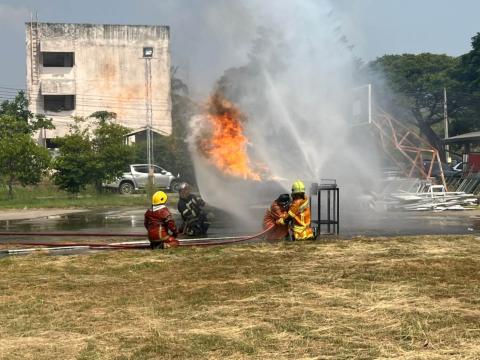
[(225, 144)]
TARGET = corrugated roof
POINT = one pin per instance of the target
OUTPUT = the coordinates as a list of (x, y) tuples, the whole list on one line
[(471, 137), (144, 128)]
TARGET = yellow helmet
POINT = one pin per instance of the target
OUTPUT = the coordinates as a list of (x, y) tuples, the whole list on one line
[(298, 187), (159, 198)]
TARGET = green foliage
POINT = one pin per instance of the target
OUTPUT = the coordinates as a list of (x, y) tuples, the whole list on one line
[(74, 164), (26, 121), (104, 153), (17, 107), (418, 82), (469, 70), (104, 116), (468, 74), (111, 152), (183, 108), (21, 159), (47, 195), (92, 157)]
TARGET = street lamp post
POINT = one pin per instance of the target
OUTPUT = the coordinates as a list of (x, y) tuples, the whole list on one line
[(148, 55)]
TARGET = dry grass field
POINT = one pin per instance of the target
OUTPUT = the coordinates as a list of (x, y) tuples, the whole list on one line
[(411, 298)]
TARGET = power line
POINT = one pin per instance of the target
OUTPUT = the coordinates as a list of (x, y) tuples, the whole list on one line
[(100, 105), (67, 122), (96, 98), (106, 97)]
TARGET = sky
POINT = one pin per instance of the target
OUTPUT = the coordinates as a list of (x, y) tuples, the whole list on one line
[(209, 36)]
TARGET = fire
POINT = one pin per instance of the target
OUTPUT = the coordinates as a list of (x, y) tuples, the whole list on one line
[(224, 143)]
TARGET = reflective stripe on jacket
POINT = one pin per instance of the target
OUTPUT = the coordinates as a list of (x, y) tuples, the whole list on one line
[(159, 221), (300, 213), (191, 207)]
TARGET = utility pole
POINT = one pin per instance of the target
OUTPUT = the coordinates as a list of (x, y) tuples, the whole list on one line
[(445, 117), (147, 55)]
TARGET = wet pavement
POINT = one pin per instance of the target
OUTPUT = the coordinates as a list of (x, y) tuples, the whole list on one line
[(130, 221), (118, 221), (403, 223)]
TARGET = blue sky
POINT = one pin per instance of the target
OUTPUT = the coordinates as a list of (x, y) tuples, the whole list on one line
[(203, 48)]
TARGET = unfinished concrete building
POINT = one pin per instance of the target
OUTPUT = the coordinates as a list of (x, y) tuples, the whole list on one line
[(78, 69)]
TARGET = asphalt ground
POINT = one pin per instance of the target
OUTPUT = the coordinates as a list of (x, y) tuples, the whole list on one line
[(352, 224)]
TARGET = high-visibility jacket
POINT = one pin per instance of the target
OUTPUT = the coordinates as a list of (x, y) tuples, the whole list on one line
[(299, 211), (272, 215), (159, 222)]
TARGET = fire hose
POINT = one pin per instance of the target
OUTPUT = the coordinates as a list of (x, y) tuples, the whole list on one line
[(6, 233), (125, 246), (225, 241)]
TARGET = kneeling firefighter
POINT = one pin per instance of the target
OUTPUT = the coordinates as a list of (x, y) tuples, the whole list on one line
[(160, 224), (275, 216), (191, 208), (299, 214)]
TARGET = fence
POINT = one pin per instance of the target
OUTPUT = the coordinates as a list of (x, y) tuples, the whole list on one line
[(468, 183)]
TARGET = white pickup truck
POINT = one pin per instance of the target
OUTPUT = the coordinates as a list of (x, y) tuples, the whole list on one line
[(137, 178)]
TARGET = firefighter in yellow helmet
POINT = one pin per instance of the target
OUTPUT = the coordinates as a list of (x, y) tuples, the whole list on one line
[(159, 223), (299, 213)]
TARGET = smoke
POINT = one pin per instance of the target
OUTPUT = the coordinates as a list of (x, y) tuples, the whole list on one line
[(295, 92)]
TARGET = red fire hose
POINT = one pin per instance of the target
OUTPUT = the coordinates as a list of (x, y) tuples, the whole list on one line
[(227, 241), (124, 246), (6, 233)]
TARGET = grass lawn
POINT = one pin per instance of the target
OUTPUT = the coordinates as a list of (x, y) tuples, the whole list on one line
[(48, 196), (410, 297)]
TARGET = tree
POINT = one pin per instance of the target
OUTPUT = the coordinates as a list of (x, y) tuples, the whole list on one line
[(104, 116), (25, 121), (92, 156), (469, 66), (183, 108), (468, 73), (111, 152), (21, 159), (418, 82), (74, 164)]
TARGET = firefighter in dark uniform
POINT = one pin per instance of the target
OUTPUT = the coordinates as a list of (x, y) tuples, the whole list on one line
[(192, 210)]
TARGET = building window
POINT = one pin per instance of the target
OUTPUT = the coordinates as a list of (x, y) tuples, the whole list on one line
[(50, 143), (58, 59), (148, 52), (58, 102)]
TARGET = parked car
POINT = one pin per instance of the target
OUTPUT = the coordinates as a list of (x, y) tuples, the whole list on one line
[(458, 167), (136, 177), (447, 170)]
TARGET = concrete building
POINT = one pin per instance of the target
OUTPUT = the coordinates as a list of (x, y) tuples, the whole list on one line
[(77, 69)]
